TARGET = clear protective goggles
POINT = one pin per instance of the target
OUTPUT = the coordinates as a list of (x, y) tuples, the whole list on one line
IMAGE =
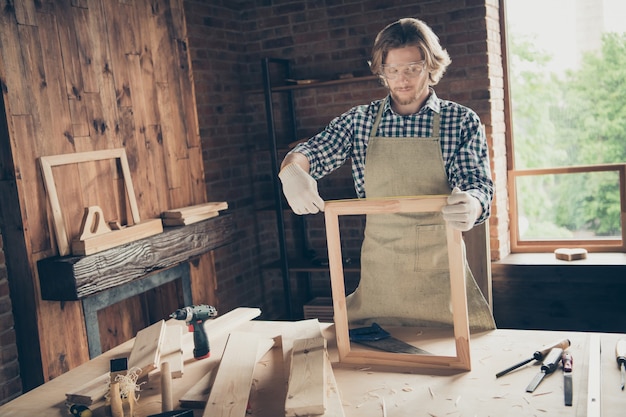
[(409, 70)]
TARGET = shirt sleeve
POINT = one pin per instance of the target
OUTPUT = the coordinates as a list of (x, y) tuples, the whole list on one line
[(329, 149), (470, 169)]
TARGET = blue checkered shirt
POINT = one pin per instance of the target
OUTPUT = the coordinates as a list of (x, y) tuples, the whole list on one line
[(463, 144)]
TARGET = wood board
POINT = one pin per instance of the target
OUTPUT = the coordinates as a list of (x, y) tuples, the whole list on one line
[(332, 211), (115, 238), (147, 348), (231, 389), (306, 394)]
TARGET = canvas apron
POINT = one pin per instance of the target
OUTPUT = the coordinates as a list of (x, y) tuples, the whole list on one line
[(405, 277)]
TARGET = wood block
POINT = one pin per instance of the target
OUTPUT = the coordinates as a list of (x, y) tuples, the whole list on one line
[(103, 241), (198, 395), (147, 347), (334, 407), (172, 350), (183, 221), (231, 389), (91, 392), (570, 254), (306, 394), (195, 210)]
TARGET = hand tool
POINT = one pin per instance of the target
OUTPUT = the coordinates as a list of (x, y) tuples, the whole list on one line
[(620, 353), (195, 316), (568, 364), (547, 367), (537, 356), (378, 338), (80, 410)]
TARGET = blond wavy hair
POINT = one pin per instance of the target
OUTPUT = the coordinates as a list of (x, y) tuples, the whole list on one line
[(411, 32)]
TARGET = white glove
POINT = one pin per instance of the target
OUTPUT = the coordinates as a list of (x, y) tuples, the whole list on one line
[(300, 190), (462, 210)]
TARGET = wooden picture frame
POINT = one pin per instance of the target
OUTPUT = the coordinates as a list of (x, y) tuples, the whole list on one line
[(48, 162), (332, 211)]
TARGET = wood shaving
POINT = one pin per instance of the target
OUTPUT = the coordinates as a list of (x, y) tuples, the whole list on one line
[(542, 393), (384, 407), (432, 394), (407, 389)]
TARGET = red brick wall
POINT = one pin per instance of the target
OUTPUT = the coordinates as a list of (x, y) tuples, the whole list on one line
[(10, 382)]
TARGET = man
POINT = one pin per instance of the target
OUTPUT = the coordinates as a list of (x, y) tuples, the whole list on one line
[(409, 143)]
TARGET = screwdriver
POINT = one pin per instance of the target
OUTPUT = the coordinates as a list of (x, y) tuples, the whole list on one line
[(537, 356), (547, 367), (620, 353)]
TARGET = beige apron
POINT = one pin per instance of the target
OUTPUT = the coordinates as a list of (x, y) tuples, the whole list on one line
[(405, 277)]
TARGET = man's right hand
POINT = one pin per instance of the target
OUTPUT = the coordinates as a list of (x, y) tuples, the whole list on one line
[(300, 190)]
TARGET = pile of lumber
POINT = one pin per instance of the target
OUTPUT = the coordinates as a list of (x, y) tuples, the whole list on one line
[(227, 388)]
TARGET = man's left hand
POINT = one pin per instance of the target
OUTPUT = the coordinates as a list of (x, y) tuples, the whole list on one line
[(462, 210)]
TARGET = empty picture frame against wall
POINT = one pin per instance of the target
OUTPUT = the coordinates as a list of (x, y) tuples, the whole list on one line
[(419, 204)]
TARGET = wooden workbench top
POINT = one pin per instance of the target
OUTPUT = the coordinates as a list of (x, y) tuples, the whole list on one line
[(365, 391)]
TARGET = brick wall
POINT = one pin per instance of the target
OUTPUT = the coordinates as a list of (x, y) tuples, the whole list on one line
[(10, 382), (228, 40)]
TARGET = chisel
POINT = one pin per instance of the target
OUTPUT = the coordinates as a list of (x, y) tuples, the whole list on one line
[(537, 356), (568, 363), (620, 353), (547, 367)]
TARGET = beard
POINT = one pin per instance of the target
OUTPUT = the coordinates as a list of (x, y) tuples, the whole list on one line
[(409, 97)]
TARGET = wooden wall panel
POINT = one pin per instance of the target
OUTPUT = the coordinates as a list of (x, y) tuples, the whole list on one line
[(81, 75)]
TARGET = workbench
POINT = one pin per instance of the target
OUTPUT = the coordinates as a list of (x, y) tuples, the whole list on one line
[(378, 391)]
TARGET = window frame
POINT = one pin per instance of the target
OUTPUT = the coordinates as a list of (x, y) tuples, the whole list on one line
[(545, 245)]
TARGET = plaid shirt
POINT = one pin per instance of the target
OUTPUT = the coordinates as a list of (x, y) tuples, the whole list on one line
[(463, 144)]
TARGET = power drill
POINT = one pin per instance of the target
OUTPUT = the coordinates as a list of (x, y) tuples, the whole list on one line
[(195, 316)]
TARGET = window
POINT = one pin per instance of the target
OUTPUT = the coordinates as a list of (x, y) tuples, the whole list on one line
[(567, 100)]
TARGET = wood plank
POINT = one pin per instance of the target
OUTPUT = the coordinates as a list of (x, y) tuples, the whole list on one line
[(306, 394), (224, 324), (172, 350), (195, 210), (75, 277), (90, 392), (594, 384), (189, 219), (198, 395), (233, 381), (147, 348), (115, 238)]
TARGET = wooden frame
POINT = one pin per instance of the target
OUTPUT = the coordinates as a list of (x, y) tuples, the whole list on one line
[(546, 245), (334, 209), (47, 162)]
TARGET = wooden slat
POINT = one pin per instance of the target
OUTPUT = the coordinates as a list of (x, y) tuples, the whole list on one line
[(172, 350), (147, 348), (195, 210), (90, 392), (116, 238), (306, 394), (198, 395), (231, 389), (189, 219)]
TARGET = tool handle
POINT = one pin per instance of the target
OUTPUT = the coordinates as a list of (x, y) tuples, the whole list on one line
[(200, 340), (620, 351), (552, 360), (563, 344), (568, 361)]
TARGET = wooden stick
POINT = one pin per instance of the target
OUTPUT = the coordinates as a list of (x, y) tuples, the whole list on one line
[(167, 403)]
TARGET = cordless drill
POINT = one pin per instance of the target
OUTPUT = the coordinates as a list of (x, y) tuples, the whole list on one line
[(195, 316)]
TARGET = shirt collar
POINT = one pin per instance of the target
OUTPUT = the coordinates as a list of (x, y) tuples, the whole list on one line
[(432, 102)]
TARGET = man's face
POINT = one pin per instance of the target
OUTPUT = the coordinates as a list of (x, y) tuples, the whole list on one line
[(407, 78)]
